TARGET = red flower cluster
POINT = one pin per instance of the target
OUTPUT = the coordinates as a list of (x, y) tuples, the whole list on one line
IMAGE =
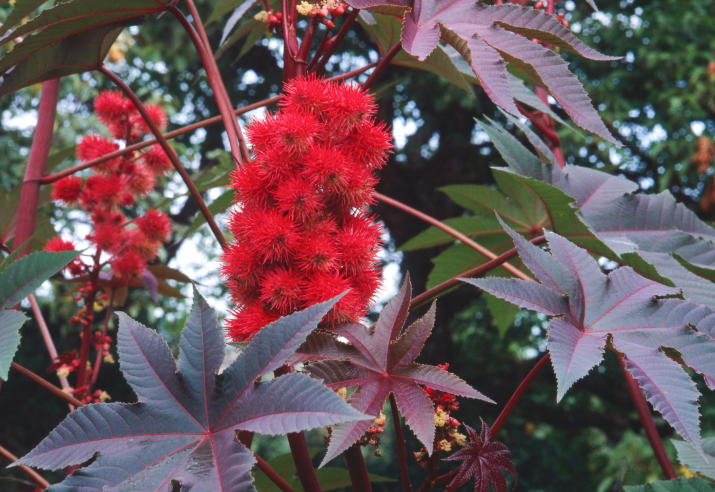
[(302, 234), (115, 184)]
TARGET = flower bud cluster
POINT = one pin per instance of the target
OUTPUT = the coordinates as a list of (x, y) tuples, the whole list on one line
[(321, 10)]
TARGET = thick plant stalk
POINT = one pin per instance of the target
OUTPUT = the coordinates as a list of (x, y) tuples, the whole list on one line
[(358, 471), (646, 419), (499, 422), (475, 272), (452, 232), (272, 474), (82, 371), (382, 65), (170, 154), (30, 193), (400, 443), (45, 384), (216, 85), (301, 456), (299, 450), (25, 469), (224, 93)]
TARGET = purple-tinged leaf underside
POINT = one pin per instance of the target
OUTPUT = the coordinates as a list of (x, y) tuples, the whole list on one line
[(184, 427), (628, 309), (523, 293), (379, 365)]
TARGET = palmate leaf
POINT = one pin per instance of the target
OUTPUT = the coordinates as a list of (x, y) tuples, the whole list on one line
[(697, 463), (69, 38), (489, 37), (184, 427), (18, 279), (484, 461), (679, 485), (381, 362), (625, 307)]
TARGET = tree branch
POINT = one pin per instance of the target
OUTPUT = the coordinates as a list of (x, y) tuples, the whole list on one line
[(452, 232), (272, 474), (170, 153), (332, 44), (358, 471), (382, 65)]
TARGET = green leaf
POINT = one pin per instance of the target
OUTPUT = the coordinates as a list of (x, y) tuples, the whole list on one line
[(329, 478), (54, 58), (679, 485), (461, 258), (473, 227), (17, 281), (10, 324), (517, 157), (503, 313), (243, 30), (20, 10), (163, 272), (21, 278)]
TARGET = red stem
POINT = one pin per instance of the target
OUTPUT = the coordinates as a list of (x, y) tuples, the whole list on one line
[(475, 272), (452, 232), (301, 457), (400, 443), (647, 421), (382, 65), (332, 44), (30, 193), (357, 469), (499, 422), (45, 384), (100, 352), (216, 85), (272, 474), (27, 470), (87, 324), (319, 50), (301, 58), (170, 154)]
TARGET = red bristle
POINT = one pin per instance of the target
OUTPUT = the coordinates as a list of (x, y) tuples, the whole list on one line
[(67, 190)]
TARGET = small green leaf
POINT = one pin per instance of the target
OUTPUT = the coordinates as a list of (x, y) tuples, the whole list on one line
[(21, 278)]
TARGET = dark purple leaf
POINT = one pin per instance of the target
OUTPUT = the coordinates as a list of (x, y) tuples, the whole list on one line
[(484, 461), (150, 283), (625, 308), (184, 427), (382, 362)]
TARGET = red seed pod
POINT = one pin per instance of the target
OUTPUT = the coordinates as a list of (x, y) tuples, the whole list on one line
[(329, 24)]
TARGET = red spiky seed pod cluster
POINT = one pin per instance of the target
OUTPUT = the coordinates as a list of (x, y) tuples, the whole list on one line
[(115, 184), (302, 232)]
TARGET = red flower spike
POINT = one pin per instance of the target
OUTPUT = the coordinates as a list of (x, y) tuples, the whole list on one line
[(138, 180), (156, 160), (102, 191), (298, 199), (484, 460), (281, 290), (94, 146), (350, 106), (157, 115), (112, 107), (67, 190), (317, 252), (145, 247), (155, 225), (57, 245), (309, 94), (128, 264), (327, 168), (248, 321), (107, 237)]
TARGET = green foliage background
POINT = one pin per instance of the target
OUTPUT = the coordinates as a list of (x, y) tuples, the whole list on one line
[(656, 97)]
